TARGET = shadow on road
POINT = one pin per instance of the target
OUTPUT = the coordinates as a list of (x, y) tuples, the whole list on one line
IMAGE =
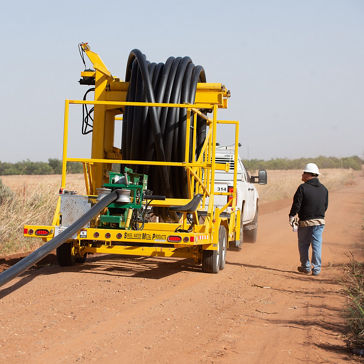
[(295, 274), (109, 265)]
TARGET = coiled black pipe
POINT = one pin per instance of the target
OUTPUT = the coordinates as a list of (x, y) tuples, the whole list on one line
[(159, 134), (45, 249)]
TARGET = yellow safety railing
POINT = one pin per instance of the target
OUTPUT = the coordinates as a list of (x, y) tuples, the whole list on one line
[(200, 171)]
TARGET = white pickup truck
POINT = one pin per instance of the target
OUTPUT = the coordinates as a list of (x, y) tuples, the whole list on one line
[(247, 194)]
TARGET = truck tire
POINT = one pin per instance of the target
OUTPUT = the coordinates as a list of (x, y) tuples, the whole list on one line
[(64, 255), (250, 236), (223, 238)]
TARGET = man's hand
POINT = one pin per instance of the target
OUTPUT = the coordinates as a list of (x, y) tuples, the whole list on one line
[(291, 220)]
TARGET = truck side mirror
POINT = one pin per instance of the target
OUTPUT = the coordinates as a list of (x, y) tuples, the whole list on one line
[(261, 178)]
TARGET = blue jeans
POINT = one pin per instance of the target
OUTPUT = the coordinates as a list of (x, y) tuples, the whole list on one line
[(310, 235)]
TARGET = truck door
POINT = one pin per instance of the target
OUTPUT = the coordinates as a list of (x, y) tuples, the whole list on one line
[(249, 206)]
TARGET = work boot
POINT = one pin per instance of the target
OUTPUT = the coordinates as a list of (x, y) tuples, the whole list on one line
[(303, 270)]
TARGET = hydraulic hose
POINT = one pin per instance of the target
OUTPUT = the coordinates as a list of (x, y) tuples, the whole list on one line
[(159, 134), (57, 241)]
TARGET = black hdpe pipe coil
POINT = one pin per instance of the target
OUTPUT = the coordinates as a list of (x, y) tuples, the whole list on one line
[(159, 134), (40, 253)]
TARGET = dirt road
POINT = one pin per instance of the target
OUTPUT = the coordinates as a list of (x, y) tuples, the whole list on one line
[(136, 310)]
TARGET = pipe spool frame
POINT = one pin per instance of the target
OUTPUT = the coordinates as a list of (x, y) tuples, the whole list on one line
[(198, 240)]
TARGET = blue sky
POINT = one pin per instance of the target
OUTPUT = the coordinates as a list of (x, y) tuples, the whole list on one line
[(295, 68)]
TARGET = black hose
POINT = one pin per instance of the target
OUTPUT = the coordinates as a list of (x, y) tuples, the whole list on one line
[(40, 253), (159, 134), (87, 118)]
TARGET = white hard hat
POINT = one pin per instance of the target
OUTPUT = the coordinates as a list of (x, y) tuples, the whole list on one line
[(311, 168)]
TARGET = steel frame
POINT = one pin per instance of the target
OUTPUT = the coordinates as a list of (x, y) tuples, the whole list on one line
[(109, 103)]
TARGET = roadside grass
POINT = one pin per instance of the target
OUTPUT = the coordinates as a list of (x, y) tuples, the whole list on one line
[(32, 199), (28, 200), (283, 184), (353, 282)]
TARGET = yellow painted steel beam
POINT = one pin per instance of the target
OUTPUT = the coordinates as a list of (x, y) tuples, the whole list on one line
[(170, 202), (144, 251), (218, 166), (237, 225), (30, 231), (201, 183), (144, 104), (160, 226), (96, 60), (153, 233), (88, 74), (65, 143), (55, 220), (213, 155), (143, 236), (206, 93)]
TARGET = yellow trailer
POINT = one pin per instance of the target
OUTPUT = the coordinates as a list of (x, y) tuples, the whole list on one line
[(139, 221)]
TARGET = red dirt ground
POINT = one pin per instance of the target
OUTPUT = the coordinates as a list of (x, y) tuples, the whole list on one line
[(115, 309)]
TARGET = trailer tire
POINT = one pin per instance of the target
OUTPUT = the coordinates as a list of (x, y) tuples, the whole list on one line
[(64, 255), (81, 258), (210, 261), (250, 236), (223, 238)]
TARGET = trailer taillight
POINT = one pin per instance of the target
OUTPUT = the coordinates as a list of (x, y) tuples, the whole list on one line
[(25, 231), (174, 238), (230, 190), (41, 232)]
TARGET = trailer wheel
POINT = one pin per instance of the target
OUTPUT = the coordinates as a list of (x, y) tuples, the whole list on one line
[(210, 261), (223, 238), (65, 256), (250, 236), (81, 258)]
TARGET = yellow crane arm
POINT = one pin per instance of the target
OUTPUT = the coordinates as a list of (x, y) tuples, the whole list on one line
[(95, 60)]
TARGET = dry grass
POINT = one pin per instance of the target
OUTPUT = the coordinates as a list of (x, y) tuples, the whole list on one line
[(283, 183), (35, 200), (353, 281)]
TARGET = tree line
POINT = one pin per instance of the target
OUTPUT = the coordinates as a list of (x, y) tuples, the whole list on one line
[(353, 162), (54, 166)]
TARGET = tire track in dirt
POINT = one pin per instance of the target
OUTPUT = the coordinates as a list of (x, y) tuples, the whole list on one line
[(259, 309)]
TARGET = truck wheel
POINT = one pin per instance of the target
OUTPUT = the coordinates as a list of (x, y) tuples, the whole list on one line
[(250, 236), (65, 256), (222, 246)]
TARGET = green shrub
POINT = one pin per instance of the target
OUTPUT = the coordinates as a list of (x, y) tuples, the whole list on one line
[(353, 162), (27, 167), (56, 165), (354, 288)]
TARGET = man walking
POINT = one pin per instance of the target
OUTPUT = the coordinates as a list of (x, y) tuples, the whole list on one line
[(310, 203)]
